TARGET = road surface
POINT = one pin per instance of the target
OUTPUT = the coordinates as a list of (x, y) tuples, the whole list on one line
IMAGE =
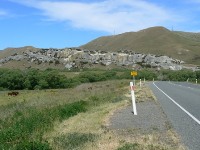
[(181, 104)]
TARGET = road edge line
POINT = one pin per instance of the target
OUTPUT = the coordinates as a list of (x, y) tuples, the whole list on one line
[(183, 109)]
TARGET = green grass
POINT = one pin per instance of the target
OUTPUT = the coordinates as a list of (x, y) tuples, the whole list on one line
[(136, 146), (129, 146), (64, 119), (74, 141), (26, 127), (25, 119)]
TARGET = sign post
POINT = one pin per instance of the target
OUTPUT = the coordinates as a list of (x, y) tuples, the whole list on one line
[(134, 73)]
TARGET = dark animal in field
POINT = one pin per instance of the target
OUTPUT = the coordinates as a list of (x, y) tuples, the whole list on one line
[(89, 88), (13, 93)]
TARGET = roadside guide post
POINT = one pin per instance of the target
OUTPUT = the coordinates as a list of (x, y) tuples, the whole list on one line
[(140, 82), (196, 81), (132, 87), (133, 98)]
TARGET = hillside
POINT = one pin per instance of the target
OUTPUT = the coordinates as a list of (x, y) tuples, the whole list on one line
[(155, 40), (155, 47), (12, 51)]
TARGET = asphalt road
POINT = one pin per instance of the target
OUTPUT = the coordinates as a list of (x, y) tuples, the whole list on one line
[(181, 104)]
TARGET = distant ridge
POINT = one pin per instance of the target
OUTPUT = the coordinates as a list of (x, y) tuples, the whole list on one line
[(11, 51), (155, 40)]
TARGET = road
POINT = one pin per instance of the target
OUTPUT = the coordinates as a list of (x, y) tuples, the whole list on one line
[(181, 104)]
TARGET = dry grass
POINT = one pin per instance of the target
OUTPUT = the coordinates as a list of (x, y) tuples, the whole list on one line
[(49, 97), (143, 93), (96, 122)]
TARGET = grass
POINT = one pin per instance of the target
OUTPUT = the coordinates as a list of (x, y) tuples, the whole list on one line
[(74, 140), (129, 146), (136, 146), (75, 118), (26, 127), (27, 117), (96, 121)]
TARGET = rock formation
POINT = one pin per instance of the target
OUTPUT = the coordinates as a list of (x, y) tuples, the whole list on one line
[(76, 58)]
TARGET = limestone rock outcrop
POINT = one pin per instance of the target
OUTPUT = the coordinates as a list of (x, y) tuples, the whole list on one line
[(74, 57)]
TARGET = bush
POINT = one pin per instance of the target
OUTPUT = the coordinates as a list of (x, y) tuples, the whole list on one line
[(51, 79)]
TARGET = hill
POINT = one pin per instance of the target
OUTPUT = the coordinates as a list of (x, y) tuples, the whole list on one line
[(155, 47), (155, 40), (12, 51)]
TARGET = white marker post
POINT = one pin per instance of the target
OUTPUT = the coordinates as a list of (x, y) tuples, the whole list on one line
[(133, 98), (140, 82), (196, 81)]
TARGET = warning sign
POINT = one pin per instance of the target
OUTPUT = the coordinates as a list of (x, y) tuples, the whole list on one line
[(134, 73)]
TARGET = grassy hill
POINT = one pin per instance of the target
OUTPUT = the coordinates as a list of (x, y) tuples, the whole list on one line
[(11, 51), (154, 40)]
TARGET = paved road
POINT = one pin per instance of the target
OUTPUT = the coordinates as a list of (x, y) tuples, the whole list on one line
[(181, 103)]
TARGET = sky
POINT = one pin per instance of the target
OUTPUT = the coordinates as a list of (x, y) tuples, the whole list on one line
[(72, 23)]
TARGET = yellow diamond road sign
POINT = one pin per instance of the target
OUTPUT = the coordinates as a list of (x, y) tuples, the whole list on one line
[(134, 73)]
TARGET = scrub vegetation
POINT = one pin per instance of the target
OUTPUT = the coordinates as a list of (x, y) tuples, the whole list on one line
[(69, 112), (53, 79)]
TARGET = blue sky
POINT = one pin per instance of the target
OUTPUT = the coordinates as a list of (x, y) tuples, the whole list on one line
[(69, 23)]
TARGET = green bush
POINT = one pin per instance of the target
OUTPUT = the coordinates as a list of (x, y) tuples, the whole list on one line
[(51, 79)]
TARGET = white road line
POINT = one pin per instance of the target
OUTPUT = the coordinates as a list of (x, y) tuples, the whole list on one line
[(182, 86), (189, 114)]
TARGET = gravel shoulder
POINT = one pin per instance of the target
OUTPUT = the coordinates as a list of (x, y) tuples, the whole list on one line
[(150, 125), (150, 117)]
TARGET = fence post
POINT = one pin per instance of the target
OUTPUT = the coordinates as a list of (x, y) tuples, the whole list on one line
[(133, 98)]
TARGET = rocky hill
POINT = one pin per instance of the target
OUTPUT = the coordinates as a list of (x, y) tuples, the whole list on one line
[(155, 47), (156, 40), (29, 57)]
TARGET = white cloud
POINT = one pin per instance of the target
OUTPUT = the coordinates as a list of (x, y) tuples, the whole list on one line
[(107, 15)]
